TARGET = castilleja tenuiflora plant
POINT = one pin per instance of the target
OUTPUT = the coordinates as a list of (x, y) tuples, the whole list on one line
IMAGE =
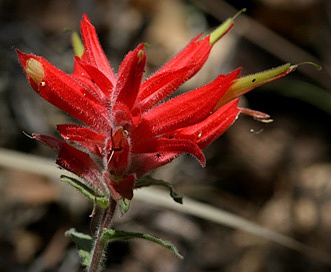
[(129, 126)]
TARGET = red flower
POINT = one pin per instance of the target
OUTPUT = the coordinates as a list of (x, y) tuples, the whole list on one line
[(129, 128)]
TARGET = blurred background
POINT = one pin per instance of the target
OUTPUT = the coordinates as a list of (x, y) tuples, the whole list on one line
[(277, 175)]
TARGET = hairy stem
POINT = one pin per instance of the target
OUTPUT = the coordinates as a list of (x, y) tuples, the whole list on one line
[(97, 260)]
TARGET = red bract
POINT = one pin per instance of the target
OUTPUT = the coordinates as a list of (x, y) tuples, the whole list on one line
[(128, 125)]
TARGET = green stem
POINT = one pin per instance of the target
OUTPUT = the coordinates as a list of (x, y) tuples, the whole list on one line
[(97, 259)]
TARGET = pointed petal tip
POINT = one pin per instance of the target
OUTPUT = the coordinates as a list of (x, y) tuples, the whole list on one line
[(19, 52), (141, 53), (85, 21), (85, 17), (93, 53), (32, 66), (203, 162), (22, 57)]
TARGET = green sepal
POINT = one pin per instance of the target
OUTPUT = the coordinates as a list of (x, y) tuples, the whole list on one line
[(101, 201), (110, 235), (124, 205), (84, 244), (148, 181)]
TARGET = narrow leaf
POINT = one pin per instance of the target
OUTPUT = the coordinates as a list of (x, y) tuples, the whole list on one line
[(101, 201), (110, 235), (124, 205), (149, 181)]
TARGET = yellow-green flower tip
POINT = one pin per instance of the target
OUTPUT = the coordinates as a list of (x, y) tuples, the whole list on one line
[(141, 55), (77, 44), (35, 70), (244, 84), (249, 82), (220, 31)]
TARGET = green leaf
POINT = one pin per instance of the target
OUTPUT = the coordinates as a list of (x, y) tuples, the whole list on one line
[(84, 244), (110, 235), (148, 181), (124, 205), (101, 201)]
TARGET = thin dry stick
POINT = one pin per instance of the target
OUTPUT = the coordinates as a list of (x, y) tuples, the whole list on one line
[(18, 161)]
